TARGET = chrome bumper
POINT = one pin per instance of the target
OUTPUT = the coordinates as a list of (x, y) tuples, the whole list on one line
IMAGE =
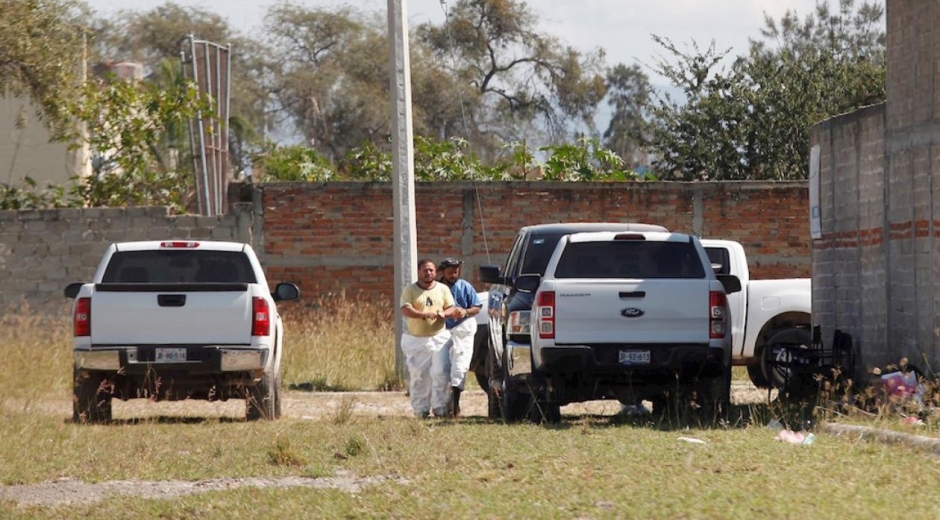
[(520, 358), (220, 359)]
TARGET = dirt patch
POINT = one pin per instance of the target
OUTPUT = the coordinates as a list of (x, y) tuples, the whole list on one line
[(318, 406), (70, 491)]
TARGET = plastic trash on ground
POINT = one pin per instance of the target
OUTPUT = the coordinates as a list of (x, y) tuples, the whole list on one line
[(691, 440), (793, 437)]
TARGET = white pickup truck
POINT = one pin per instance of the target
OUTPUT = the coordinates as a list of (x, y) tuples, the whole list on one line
[(764, 314), (174, 320), (627, 315)]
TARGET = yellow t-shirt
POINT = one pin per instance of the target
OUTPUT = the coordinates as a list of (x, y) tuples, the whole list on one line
[(435, 299)]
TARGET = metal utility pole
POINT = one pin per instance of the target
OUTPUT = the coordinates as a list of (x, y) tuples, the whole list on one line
[(403, 185)]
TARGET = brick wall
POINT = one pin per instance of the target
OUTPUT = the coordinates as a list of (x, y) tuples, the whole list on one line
[(332, 237), (337, 237), (43, 251)]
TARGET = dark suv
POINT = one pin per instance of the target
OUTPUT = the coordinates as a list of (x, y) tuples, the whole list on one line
[(510, 308)]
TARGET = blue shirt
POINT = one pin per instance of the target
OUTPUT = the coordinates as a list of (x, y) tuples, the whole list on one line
[(465, 297)]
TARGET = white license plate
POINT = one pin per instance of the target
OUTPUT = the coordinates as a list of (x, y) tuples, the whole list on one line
[(635, 357), (170, 355)]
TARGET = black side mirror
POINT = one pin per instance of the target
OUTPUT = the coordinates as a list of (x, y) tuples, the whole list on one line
[(491, 274), (71, 290), (285, 292), (528, 283), (731, 282)]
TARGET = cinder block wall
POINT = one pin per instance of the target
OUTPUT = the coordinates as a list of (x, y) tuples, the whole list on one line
[(43, 251), (876, 270), (334, 237)]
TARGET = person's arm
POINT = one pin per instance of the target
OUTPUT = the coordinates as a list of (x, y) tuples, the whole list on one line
[(410, 312)]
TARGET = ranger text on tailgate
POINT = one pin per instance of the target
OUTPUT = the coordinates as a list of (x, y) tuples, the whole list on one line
[(174, 320)]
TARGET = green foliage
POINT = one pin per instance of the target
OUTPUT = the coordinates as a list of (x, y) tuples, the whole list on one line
[(752, 122), (52, 196), (292, 163), (134, 131), (368, 162), (41, 45), (586, 160)]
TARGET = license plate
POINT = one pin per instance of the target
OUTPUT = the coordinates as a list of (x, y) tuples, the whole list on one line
[(634, 357), (170, 355)]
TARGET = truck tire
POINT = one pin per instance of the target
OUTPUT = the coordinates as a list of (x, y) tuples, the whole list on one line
[(514, 404), (543, 411), (91, 401), (263, 400), (755, 371), (714, 399), (776, 374)]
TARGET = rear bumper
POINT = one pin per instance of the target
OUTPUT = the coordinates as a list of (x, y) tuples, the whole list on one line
[(200, 359), (691, 360)]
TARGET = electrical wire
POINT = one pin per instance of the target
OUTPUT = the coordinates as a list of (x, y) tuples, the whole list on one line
[(466, 127)]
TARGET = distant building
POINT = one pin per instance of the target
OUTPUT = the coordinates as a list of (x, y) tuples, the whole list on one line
[(25, 149)]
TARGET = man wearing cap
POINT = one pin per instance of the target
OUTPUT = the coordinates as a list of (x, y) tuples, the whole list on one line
[(462, 327), (426, 304)]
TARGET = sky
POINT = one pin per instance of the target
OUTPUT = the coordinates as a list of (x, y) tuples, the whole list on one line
[(621, 27)]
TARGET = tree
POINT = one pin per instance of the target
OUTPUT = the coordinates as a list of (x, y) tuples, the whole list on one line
[(133, 131), (753, 121), (41, 47), (155, 36), (520, 74), (628, 93)]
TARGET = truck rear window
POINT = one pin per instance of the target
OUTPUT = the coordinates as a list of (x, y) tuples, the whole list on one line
[(630, 259), (179, 266)]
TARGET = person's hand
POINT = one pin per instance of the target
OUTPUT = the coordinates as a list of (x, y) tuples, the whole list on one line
[(429, 315), (440, 315)]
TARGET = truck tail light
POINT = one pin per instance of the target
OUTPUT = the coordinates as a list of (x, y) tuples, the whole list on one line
[(81, 321), (545, 313), (717, 315), (261, 317), (180, 244)]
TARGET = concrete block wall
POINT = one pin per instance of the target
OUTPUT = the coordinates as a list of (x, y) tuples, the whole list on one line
[(337, 237), (876, 270), (849, 278), (42, 251)]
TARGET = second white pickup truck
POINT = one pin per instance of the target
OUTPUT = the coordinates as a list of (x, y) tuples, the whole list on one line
[(177, 320), (765, 314)]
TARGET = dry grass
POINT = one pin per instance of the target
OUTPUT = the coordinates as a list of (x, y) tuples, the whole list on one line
[(340, 344)]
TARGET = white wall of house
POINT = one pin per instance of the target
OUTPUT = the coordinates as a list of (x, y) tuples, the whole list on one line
[(27, 151)]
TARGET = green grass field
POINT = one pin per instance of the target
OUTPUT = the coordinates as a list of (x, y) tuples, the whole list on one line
[(586, 467)]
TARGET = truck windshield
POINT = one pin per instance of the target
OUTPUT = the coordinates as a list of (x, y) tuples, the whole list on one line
[(179, 266), (630, 259)]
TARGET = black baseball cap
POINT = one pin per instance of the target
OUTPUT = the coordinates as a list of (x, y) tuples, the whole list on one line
[(449, 262)]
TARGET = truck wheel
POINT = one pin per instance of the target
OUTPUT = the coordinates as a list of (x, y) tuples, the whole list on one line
[(91, 400), (514, 404), (774, 360), (544, 411), (714, 395), (756, 372), (262, 400)]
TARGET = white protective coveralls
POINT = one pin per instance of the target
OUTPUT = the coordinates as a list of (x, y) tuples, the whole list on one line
[(428, 355)]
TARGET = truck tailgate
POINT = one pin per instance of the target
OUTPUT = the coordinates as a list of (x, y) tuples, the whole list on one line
[(161, 314), (623, 311)]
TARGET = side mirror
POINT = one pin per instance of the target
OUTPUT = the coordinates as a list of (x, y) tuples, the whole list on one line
[(731, 282), (71, 290), (528, 283), (285, 292), (491, 274)]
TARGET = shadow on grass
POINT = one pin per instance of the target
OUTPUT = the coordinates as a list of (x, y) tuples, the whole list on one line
[(166, 419)]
